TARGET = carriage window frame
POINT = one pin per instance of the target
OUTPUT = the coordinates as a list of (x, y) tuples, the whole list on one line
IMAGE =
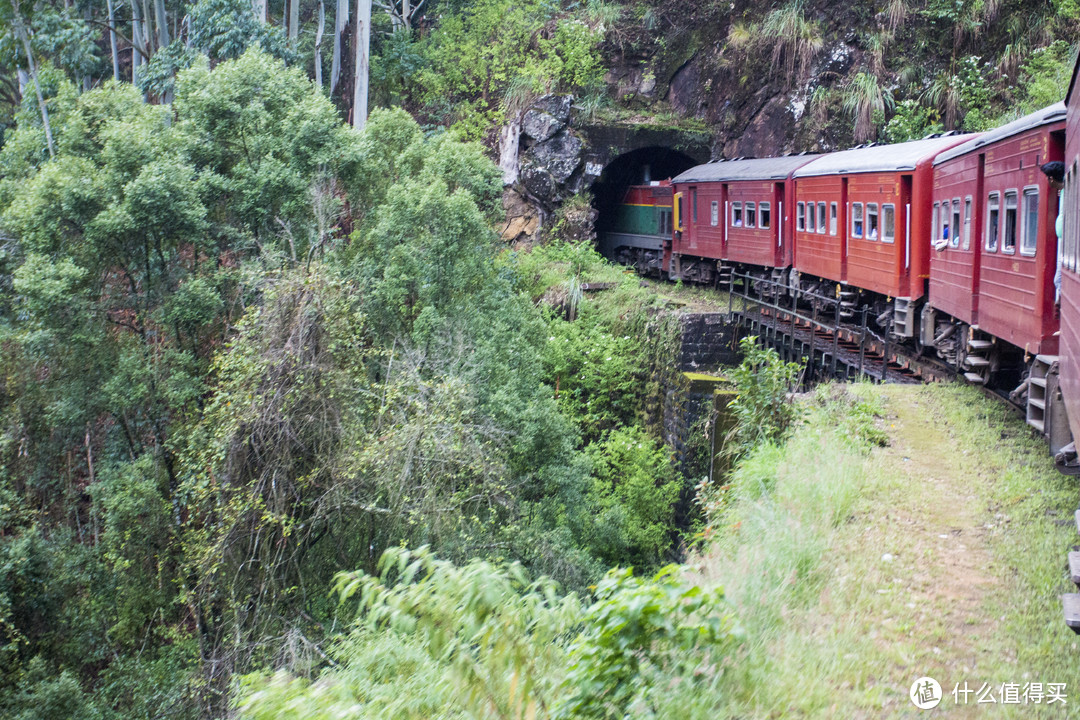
[(832, 219), (967, 222), (800, 216), (945, 229), (750, 214), (764, 215), (1008, 228), (857, 219), (888, 223), (1031, 191), (954, 224), (693, 205), (873, 222), (821, 216), (935, 224), (811, 218), (993, 221), (736, 214)]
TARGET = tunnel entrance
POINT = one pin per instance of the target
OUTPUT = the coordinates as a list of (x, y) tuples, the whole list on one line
[(631, 226), (637, 167)]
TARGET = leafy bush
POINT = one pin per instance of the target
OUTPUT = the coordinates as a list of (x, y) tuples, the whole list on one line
[(764, 410)]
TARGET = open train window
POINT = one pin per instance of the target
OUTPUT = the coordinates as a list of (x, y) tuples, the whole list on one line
[(832, 218), (993, 221), (967, 222), (736, 214), (800, 216), (1029, 240), (751, 214), (944, 230), (935, 224), (856, 220), (765, 211), (871, 221), (810, 215), (714, 213), (954, 240), (1008, 233), (888, 223), (821, 217)]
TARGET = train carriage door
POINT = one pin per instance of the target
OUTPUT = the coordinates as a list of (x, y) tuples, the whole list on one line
[(725, 220), (904, 258), (845, 226), (783, 251)]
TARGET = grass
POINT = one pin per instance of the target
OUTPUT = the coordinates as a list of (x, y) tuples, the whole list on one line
[(855, 567)]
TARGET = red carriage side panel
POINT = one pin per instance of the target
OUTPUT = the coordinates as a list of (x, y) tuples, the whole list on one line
[(818, 250), (1069, 350), (1019, 254), (956, 237), (753, 226), (877, 257)]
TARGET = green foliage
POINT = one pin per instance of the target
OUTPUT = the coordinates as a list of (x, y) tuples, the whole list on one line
[(482, 50), (912, 121), (639, 635), (634, 492), (764, 410)]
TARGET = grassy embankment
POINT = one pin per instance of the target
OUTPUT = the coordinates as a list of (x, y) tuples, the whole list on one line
[(901, 532)]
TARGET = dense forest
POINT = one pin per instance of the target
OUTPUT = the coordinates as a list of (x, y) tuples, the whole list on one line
[(276, 397)]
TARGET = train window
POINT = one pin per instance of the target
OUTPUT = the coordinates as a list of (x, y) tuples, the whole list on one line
[(821, 217), (751, 214), (736, 214), (967, 223), (993, 217), (943, 223), (1031, 221), (800, 216), (714, 213), (810, 217), (888, 223), (954, 240), (856, 219), (871, 221), (765, 212), (832, 218), (693, 205), (1008, 233), (935, 224)]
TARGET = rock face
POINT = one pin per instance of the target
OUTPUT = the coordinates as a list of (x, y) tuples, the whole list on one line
[(551, 168)]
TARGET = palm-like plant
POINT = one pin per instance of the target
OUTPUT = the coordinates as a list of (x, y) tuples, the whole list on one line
[(867, 101), (795, 39)]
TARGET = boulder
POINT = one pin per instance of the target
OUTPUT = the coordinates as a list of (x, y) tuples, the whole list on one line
[(546, 117), (560, 156)]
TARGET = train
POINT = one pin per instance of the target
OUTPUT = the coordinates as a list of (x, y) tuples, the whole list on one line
[(949, 244)]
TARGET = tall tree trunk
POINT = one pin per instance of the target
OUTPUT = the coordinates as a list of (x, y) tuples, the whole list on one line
[(341, 21), (318, 43), (259, 6), (112, 42), (405, 13), (363, 40), (20, 30), (294, 19), (136, 43), (147, 30), (162, 19)]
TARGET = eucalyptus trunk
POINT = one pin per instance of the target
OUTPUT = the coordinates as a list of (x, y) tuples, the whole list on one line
[(137, 50), (341, 21), (162, 19), (294, 19), (112, 42), (363, 40), (318, 43), (20, 30)]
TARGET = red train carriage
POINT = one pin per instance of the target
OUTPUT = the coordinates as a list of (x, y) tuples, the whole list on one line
[(1069, 348), (734, 211), (995, 247), (861, 219)]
